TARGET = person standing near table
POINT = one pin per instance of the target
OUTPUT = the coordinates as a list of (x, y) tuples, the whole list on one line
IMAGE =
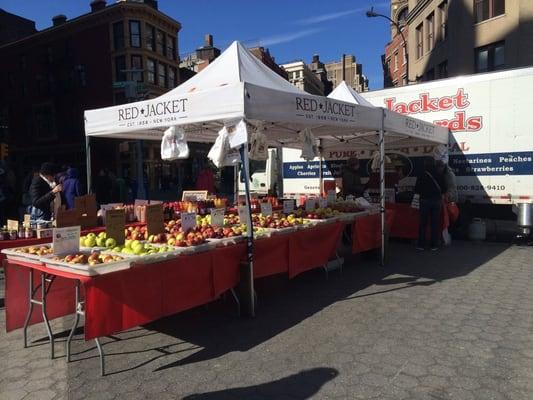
[(72, 187), (45, 193), (430, 186), (351, 178)]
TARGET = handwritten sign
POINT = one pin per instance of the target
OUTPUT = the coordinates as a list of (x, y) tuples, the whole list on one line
[(331, 196), (243, 214), (188, 221), (217, 216), (310, 204), (194, 195), (107, 207), (288, 206), (12, 225), (114, 225), (266, 209), (66, 240), (27, 220), (155, 221), (322, 202), (140, 202)]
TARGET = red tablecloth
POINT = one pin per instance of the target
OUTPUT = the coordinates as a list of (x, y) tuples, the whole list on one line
[(146, 292), (366, 231), (407, 219)]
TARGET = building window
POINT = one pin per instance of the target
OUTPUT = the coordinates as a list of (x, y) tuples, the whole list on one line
[(150, 66), (135, 34), (161, 42), (443, 69), (430, 75), (491, 57), (81, 75), (171, 77), (442, 21), (430, 31), (120, 67), (161, 74), (396, 64), (171, 48), (118, 35), (404, 80), (419, 41), (150, 37), (404, 55), (402, 16), (486, 9), (44, 122), (137, 74)]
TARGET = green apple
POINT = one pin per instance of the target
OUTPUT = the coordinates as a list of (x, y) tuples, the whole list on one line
[(117, 249), (127, 243), (90, 241), (137, 248), (109, 243), (102, 235), (91, 235), (134, 243), (100, 241), (82, 241)]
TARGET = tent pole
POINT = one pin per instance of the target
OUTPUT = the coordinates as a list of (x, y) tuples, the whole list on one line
[(235, 184), (88, 162), (279, 175), (382, 184), (249, 232), (321, 171)]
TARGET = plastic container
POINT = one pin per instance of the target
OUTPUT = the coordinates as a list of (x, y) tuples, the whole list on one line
[(477, 230)]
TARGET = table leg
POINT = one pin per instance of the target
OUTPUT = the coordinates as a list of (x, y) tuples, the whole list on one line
[(101, 353), (79, 311), (44, 291), (236, 301), (30, 309)]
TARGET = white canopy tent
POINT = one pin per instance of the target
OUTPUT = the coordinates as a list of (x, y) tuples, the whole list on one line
[(239, 86)]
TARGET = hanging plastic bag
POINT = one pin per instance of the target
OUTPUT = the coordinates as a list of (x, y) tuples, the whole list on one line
[(259, 146), (173, 145), (308, 145), (218, 151), (237, 134), (446, 237), (440, 153), (374, 165), (415, 203)]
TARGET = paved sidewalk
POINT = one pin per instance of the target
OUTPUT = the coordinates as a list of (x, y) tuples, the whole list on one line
[(456, 324)]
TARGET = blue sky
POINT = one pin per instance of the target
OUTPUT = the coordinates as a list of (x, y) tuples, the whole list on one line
[(292, 30)]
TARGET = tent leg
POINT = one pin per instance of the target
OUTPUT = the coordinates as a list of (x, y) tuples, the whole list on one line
[(248, 299), (88, 162), (382, 185), (321, 169)]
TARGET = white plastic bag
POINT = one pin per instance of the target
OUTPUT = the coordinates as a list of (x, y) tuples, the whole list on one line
[(415, 203), (173, 145), (218, 151), (237, 133), (308, 145), (259, 146), (446, 237)]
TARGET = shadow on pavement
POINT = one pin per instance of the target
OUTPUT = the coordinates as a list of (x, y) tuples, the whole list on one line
[(284, 304), (302, 385)]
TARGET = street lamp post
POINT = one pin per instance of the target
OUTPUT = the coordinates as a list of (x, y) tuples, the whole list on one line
[(372, 14)]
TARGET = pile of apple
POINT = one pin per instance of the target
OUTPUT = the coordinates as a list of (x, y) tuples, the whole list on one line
[(136, 233), (318, 213), (276, 221), (193, 237), (94, 258), (92, 240), (36, 250), (138, 248)]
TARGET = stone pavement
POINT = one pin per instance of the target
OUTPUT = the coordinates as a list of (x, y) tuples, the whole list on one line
[(456, 324)]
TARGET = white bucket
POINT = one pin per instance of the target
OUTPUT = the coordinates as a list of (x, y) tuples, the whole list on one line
[(477, 230)]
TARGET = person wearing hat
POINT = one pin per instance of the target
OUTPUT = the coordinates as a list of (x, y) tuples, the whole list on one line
[(351, 178), (45, 193)]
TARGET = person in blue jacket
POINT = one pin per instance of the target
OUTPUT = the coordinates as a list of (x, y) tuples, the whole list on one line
[(72, 187)]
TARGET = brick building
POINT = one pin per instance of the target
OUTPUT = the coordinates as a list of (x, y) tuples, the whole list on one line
[(353, 73), (14, 27), (395, 58), (113, 54)]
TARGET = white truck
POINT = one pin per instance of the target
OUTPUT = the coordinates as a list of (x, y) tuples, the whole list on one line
[(491, 145)]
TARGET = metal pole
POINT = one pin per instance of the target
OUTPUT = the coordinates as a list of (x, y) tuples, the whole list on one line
[(382, 184), (344, 67), (320, 166), (88, 158), (249, 227), (279, 167), (235, 184)]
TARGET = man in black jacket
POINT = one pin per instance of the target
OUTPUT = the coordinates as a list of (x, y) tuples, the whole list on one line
[(430, 186), (45, 193)]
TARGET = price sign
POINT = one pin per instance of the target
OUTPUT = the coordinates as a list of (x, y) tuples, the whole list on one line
[(188, 221), (288, 206), (266, 209), (66, 240), (322, 202), (114, 225), (310, 204), (139, 202), (27, 220), (155, 221), (194, 195), (12, 225), (243, 213), (331, 196), (217, 217)]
